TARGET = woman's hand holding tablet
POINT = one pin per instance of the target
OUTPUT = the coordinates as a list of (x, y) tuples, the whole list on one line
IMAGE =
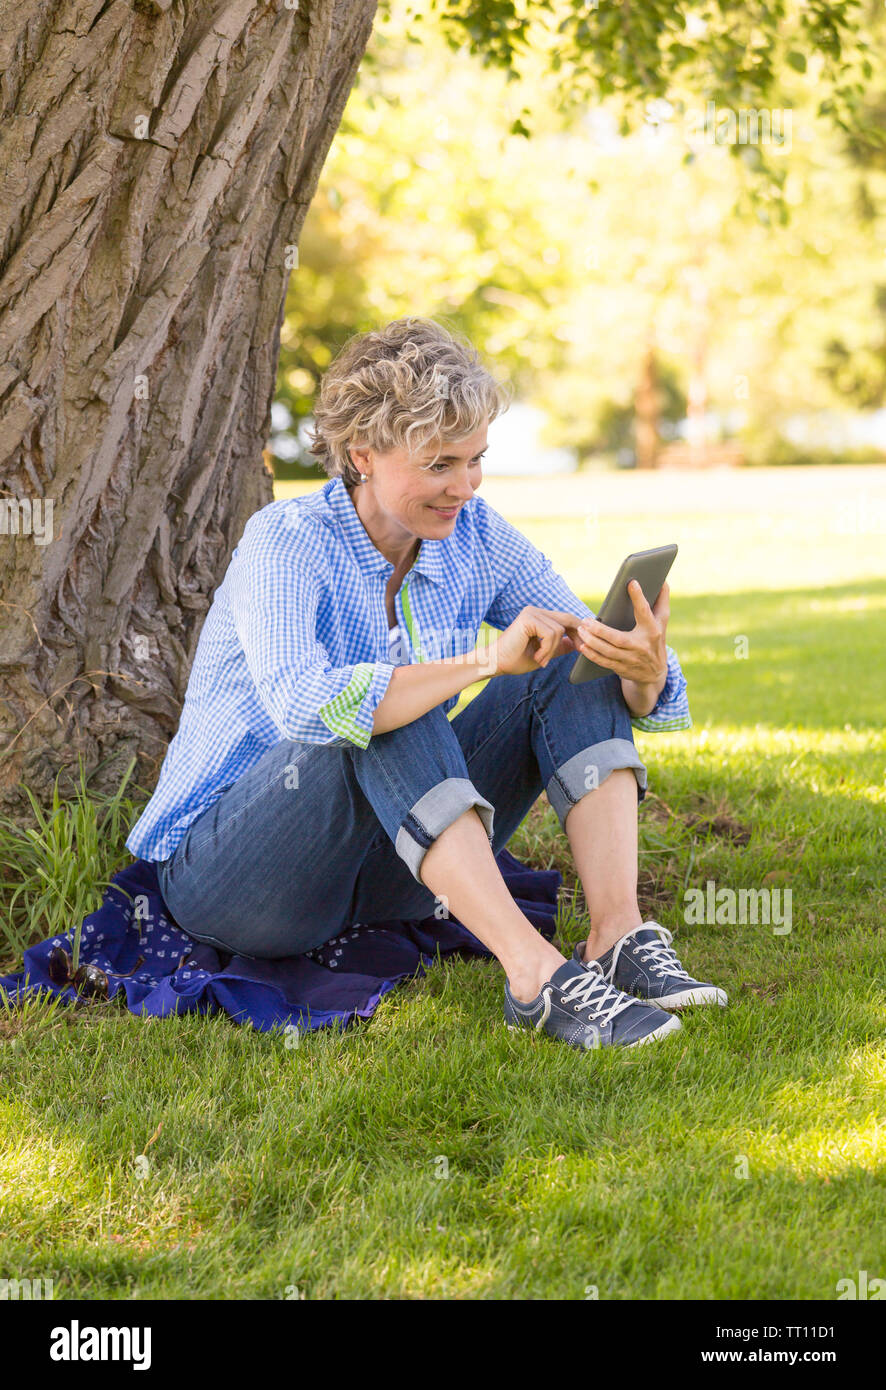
[(628, 635)]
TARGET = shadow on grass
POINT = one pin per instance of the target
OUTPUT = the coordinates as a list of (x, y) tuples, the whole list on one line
[(755, 1129)]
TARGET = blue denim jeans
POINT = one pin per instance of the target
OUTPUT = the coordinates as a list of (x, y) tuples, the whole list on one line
[(316, 837)]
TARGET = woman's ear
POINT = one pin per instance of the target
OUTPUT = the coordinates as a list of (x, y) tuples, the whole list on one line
[(359, 456)]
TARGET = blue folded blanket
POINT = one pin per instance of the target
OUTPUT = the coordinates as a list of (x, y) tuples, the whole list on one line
[(342, 980)]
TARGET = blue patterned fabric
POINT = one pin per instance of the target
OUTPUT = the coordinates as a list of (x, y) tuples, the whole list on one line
[(341, 981), (296, 643)]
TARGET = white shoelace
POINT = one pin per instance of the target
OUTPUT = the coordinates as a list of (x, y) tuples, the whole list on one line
[(591, 989), (660, 955)]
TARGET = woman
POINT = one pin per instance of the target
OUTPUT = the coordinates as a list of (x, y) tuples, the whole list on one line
[(315, 779)]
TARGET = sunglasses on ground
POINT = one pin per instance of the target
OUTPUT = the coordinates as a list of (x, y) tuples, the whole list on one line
[(90, 981)]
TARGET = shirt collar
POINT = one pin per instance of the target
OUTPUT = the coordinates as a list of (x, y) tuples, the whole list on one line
[(429, 561)]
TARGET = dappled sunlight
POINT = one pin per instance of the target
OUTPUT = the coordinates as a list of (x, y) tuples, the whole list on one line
[(821, 761), (772, 609), (861, 1070), (44, 1161), (797, 1147), (876, 795), (819, 1152), (859, 604), (762, 739), (814, 1140)]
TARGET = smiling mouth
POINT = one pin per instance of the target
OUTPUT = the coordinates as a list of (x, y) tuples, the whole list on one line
[(447, 511)]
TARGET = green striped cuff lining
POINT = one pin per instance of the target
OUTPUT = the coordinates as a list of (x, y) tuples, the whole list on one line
[(338, 713), (663, 726), (410, 622)]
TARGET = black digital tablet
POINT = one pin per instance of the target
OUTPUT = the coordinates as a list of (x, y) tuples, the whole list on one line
[(650, 569)]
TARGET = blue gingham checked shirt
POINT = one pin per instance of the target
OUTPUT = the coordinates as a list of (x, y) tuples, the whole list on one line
[(296, 642)]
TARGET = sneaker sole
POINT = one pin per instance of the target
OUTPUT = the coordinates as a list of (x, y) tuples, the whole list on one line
[(691, 998), (706, 994), (671, 1025)]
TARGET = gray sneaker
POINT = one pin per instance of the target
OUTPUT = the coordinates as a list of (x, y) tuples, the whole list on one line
[(579, 1007), (643, 964)]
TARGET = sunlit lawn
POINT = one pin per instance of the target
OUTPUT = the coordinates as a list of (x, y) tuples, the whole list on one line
[(742, 1159)]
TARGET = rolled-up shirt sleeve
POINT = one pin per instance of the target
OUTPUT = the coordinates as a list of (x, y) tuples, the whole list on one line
[(671, 710), (274, 593), (532, 579)]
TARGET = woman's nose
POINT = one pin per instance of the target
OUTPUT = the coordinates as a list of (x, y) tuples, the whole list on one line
[(462, 492)]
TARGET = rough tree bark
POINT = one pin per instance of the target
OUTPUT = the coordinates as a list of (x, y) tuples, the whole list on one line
[(158, 158)]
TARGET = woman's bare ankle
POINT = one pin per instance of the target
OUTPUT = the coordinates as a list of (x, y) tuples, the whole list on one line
[(603, 936), (525, 979)]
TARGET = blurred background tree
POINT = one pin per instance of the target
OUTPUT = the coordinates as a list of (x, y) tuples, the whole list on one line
[(635, 275)]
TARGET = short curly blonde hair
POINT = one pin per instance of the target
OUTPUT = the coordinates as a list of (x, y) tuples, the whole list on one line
[(402, 386)]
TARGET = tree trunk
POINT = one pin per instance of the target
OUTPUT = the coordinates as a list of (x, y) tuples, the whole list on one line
[(646, 412), (158, 160), (697, 395)]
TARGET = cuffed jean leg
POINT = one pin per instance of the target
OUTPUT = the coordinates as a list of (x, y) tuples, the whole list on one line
[(521, 735), (569, 775), (570, 736), (394, 765)]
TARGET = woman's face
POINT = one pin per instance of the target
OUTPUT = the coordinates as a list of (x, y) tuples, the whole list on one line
[(407, 493)]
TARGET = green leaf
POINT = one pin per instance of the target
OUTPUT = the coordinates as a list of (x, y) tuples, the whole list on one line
[(797, 61)]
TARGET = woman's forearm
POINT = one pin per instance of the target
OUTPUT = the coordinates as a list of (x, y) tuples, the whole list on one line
[(641, 699), (416, 688)]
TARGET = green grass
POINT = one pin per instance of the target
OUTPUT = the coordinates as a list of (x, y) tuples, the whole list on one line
[(53, 872), (320, 1168)]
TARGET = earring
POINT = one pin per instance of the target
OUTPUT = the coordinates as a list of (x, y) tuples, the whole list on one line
[(363, 477)]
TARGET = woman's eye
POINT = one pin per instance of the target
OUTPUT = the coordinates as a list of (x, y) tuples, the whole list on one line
[(439, 467)]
